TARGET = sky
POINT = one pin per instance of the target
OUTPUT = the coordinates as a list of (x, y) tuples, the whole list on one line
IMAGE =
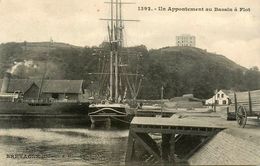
[(234, 34)]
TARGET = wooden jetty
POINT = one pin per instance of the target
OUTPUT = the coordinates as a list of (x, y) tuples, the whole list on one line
[(153, 113), (166, 112), (170, 129)]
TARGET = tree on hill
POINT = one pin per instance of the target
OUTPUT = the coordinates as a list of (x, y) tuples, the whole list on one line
[(180, 70), (251, 79)]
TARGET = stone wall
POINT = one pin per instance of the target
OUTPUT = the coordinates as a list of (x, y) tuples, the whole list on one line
[(229, 148)]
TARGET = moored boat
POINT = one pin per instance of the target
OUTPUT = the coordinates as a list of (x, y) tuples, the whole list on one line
[(107, 112), (114, 108), (20, 97)]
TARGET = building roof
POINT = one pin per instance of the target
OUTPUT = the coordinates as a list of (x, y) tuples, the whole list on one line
[(49, 86), (18, 85), (227, 92), (61, 86)]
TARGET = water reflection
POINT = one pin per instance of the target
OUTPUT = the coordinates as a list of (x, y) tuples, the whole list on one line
[(62, 146)]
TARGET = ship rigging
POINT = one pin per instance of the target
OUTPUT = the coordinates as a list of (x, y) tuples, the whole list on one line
[(114, 106)]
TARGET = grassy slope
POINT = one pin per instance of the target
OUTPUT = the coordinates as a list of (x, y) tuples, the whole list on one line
[(185, 58)]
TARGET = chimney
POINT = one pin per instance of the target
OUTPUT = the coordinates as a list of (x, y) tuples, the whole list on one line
[(5, 82)]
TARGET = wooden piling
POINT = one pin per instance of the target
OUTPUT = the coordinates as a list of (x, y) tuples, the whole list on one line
[(148, 143), (166, 147), (172, 148), (108, 123), (130, 147), (141, 127)]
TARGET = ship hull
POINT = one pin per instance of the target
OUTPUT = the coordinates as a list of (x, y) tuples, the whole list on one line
[(61, 114), (59, 108), (110, 121), (116, 115)]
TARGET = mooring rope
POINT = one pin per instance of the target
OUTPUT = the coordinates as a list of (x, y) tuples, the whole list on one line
[(120, 120)]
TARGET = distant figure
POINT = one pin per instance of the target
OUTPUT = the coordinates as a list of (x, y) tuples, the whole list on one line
[(139, 105), (66, 98)]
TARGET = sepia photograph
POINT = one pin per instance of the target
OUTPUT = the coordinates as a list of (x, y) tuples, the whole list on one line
[(129, 82)]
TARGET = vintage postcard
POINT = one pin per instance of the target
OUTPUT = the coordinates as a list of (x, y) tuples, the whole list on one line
[(129, 82)]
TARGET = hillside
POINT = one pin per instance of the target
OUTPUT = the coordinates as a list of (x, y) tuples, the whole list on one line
[(180, 70), (186, 57), (183, 70)]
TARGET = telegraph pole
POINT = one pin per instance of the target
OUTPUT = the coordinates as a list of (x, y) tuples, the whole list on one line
[(162, 89)]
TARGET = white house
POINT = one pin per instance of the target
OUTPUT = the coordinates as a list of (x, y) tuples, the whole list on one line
[(220, 98)]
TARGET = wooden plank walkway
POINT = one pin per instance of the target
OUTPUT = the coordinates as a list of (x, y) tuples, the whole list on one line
[(201, 124), (194, 125), (191, 122)]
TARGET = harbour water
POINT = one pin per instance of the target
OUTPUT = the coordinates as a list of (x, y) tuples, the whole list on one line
[(62, 146)]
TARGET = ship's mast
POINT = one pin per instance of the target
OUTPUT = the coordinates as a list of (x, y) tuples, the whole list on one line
[(45, 70), (120, 25), (111, 51), (116, 42), (116, 54)]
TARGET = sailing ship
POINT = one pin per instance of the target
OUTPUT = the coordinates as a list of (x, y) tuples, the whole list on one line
[(114, 108), (41, 97)]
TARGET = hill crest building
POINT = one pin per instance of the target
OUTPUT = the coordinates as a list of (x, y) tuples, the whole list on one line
[(186, 40)]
